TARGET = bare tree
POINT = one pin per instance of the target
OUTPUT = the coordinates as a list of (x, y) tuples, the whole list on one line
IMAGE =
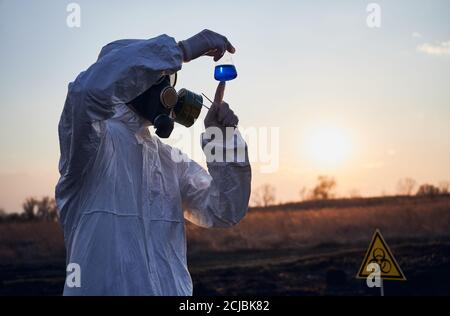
[(444, 187), (29, 207), (264, 195), (324, 188), (406, 186), (303, 193), (427, 190), (46, 209)]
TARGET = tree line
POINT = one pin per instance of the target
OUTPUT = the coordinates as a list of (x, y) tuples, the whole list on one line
[(325, 189), (45, 209), (33, 209)]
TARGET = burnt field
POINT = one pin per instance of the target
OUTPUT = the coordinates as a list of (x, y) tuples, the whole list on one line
[(296, 249)]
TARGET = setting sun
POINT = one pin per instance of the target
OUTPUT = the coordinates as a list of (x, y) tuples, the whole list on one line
[(328, 147)]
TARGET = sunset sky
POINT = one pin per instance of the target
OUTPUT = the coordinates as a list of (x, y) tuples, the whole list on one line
[(368, 106)]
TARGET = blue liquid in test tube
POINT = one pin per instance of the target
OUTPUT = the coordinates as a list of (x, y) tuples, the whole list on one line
[(225, 72)]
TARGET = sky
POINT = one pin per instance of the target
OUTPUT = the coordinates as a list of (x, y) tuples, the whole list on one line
[(336, 97)]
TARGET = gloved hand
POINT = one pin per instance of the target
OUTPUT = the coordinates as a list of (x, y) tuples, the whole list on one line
[(219, 114), (205, 43)]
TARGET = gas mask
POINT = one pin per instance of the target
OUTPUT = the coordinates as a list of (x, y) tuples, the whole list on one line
[(162, 106)]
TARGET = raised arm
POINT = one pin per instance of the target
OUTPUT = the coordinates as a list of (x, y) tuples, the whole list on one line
[(220, 198), (124, 70)]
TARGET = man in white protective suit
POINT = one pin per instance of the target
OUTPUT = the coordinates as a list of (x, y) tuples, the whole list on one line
[(122, 197)]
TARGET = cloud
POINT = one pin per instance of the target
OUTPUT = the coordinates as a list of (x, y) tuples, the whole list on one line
[(416, 35), (439, 49)]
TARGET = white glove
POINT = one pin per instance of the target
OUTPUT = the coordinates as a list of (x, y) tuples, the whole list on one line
[(219, 114), (205, 43)]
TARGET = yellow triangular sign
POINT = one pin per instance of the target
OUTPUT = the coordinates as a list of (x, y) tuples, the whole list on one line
[(380, 253)]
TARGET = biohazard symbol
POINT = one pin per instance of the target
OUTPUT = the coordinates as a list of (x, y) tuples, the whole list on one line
[(380, 254)]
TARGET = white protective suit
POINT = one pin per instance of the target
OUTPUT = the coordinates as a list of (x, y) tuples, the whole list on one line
[(120, 194)]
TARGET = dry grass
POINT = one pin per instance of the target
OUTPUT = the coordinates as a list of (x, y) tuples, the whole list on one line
[(275, 228), (33, 242), (399, 219)]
